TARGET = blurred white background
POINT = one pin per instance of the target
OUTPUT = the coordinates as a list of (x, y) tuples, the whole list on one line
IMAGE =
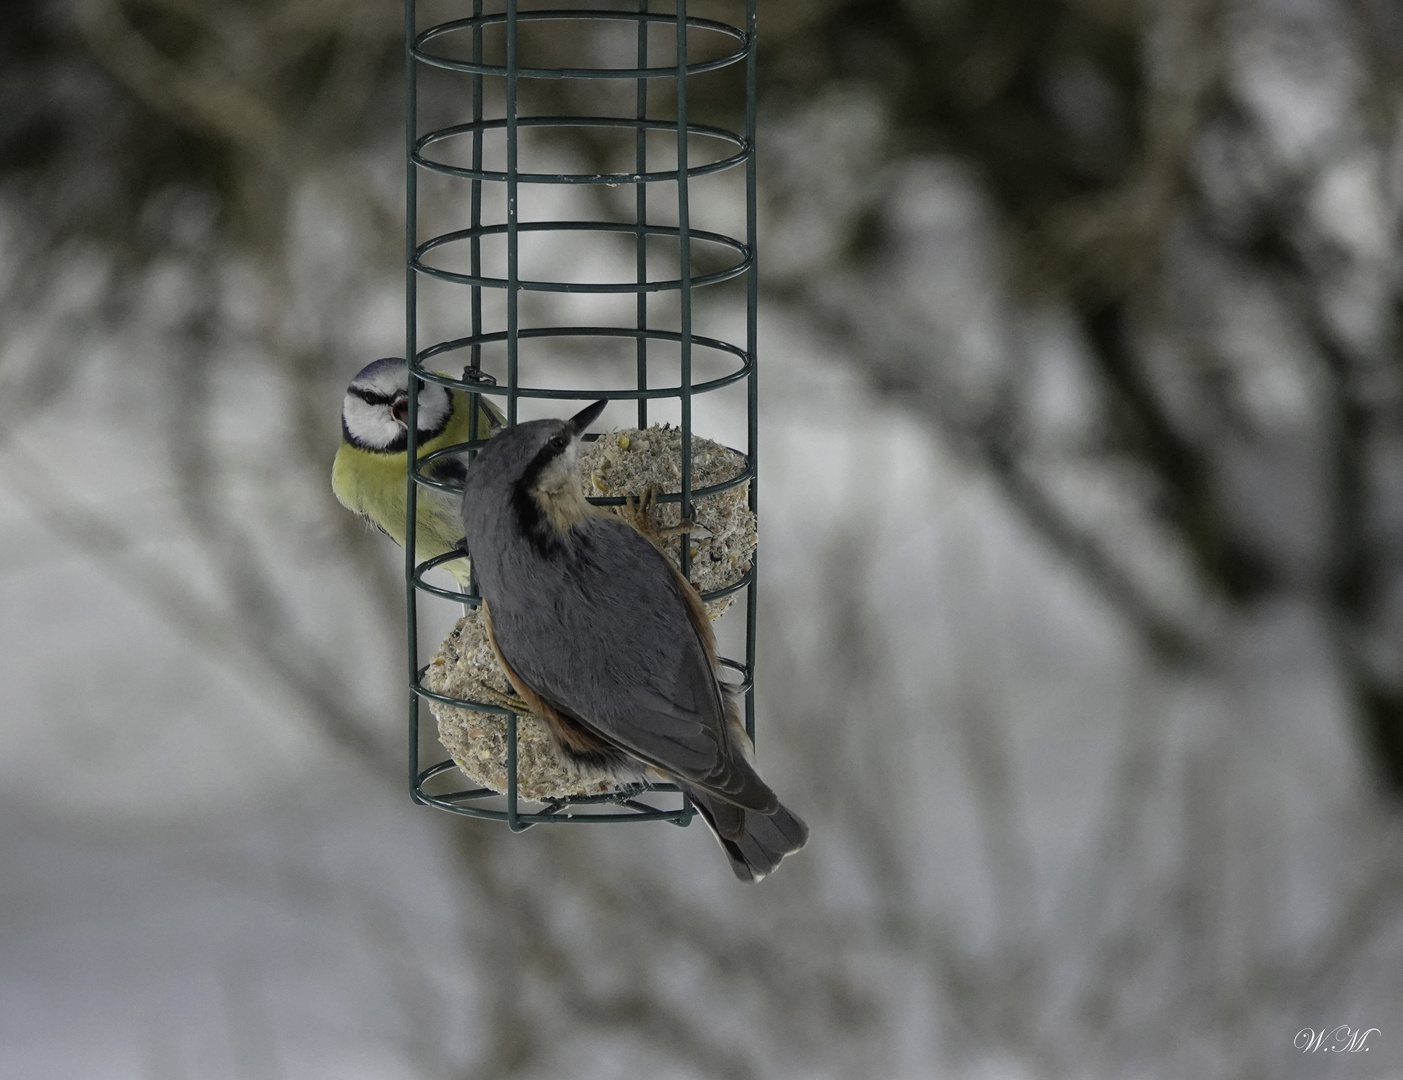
[(1080, 627)]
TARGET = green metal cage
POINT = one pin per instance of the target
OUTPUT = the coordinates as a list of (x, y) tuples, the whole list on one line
[(478, 62)]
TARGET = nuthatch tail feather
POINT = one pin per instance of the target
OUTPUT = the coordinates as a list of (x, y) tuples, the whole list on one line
[(602, 637)]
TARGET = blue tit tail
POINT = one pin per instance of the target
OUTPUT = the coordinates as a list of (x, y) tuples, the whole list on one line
[(753, 842)]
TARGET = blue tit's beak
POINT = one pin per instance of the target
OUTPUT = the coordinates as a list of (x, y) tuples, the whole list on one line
[(582, 419)]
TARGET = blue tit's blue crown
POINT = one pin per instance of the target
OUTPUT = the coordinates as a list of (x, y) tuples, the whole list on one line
[(387, 371)]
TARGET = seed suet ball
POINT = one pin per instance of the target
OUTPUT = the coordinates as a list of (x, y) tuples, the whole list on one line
[(633, 462), (465, 667)]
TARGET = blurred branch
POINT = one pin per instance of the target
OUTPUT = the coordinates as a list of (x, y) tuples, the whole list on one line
[(188, 93), (909, 375), (1123, 159), (240, 103), (222, 636)]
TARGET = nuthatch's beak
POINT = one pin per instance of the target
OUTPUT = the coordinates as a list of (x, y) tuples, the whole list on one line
[(582, 419)]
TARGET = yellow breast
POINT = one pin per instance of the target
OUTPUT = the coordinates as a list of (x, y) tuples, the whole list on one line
[(372, 484)]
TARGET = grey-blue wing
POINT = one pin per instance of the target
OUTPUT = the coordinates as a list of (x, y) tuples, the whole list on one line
[(607, 638)]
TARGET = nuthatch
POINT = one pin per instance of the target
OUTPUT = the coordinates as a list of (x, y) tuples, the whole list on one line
[(603, 638)]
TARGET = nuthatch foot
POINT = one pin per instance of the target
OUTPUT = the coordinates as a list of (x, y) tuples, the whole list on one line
[(602, 637)]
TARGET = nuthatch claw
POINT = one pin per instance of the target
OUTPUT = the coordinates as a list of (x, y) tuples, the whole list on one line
[(638, 512), (510, 702), (602, 638)]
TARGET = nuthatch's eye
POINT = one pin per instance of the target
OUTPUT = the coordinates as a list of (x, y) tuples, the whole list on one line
[(557, 442)]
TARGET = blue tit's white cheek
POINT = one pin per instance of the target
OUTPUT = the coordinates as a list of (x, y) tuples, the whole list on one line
[(434, 409), (370, 426)]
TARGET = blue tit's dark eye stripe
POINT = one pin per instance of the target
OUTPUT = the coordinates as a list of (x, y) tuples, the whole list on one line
[(370, 397)]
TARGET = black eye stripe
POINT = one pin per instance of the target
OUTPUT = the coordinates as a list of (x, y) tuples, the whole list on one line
[(548, 453), (370, 397)]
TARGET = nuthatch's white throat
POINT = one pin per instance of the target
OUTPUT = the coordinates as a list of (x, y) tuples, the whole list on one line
[(603, 638)]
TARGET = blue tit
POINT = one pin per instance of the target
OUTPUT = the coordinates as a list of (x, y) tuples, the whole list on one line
[(369, 473), (602, 637)]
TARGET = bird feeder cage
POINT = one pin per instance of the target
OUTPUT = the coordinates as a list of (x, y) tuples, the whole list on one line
[(570, 224)]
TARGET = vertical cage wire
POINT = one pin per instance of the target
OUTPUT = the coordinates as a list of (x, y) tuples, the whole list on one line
[(484, 51)]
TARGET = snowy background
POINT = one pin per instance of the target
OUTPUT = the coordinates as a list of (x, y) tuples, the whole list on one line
[(1088, 798)]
